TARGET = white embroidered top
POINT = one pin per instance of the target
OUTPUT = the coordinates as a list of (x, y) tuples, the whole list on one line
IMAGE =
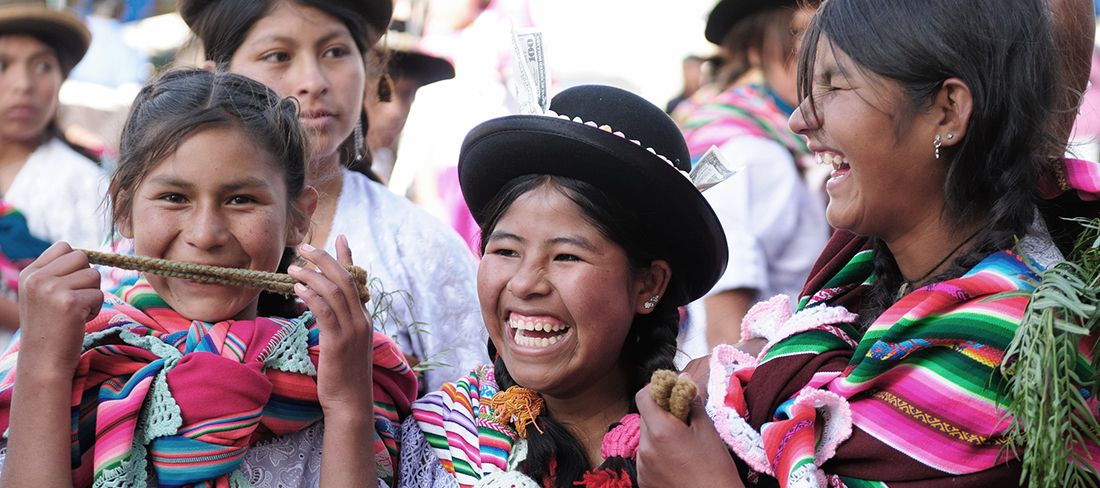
[(436, 316), (62, 194)]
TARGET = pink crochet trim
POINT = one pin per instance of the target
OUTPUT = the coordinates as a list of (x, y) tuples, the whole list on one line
[(764, 318), (835, 416), (810, 319), (622, 440), (734, 430), (730, 357)]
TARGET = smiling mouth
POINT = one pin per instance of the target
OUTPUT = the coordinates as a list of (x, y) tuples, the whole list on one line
[(835, 160), (537, 331)]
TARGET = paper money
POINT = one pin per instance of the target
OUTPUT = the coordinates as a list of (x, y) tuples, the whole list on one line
[(711, 170), (532, 76)]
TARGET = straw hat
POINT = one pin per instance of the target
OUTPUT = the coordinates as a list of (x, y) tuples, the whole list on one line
[(59, 29)]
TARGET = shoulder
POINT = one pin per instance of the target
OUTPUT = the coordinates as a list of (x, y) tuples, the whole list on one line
[(413, 232), (59, 156)]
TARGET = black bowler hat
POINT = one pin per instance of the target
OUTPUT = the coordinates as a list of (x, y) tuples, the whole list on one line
[(729, 12), (623, 145)]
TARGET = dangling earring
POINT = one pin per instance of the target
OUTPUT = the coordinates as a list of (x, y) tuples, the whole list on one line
[(936, 143), (385, 88), (359, 140), (651, 302)]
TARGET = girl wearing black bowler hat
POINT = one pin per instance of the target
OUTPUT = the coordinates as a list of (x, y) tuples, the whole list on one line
[(591, 238)]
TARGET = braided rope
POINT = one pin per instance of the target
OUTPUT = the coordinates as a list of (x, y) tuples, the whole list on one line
[(273, 282)]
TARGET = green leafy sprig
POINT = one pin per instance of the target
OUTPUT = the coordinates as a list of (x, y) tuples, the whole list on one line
[(1048, 381)]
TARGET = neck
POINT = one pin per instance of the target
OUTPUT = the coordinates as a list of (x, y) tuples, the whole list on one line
[(15, 152), (327, 177), (588, 413), (931, 248)]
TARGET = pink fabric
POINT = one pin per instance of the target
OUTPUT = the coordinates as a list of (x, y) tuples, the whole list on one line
[(622, 440), (458, 214)]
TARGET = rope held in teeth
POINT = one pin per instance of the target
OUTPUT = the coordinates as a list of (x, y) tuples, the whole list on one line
[(273, 282)]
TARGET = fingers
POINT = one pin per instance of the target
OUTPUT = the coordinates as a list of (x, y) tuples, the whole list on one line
[(343, 251), (92, 300), (329, 292)]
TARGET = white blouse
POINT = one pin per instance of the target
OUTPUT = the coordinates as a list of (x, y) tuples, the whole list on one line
[(63, 195), (426, 270)]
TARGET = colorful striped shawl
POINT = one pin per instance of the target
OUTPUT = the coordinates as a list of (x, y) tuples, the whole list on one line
[(188, 398), (744, 110), (457, 422), (923, 381)]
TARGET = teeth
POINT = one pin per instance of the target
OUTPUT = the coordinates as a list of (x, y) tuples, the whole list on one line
[(536, 326), (832, 159), (523, 340)]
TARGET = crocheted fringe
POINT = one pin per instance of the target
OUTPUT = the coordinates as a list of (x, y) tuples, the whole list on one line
[(290, 352), (237, 479), (131, 471)]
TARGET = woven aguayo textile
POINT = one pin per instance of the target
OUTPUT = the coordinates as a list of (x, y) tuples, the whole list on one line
[(915, 400), (184, 400), (744, 110)]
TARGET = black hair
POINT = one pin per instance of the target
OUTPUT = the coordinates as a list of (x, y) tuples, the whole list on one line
[(183, 102), (1003, 54), (223, 25), (650, 343)]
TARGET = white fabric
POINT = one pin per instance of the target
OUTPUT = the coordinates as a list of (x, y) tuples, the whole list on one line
[(409, 251), (775, 228), (62, 194)]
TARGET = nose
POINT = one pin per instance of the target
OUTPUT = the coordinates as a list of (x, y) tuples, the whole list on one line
[(20, 79), (529, 281), (311, 79), (805, 118), (207, 230)]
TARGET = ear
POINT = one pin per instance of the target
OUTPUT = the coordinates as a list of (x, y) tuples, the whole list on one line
[(301, 216), (125, 228), (953, 106), (652, 283)]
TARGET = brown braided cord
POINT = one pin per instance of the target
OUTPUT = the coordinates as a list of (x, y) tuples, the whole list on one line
[(273, 282)]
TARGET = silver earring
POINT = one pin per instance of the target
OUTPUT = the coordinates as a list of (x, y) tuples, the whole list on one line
[(936, 143), (359, 140), (651, 302), (950, 135)]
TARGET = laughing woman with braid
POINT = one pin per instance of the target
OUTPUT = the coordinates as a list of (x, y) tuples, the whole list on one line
[(935, 117), (584, 263)]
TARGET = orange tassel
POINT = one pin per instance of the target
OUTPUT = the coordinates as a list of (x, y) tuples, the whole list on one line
[(519, 406)]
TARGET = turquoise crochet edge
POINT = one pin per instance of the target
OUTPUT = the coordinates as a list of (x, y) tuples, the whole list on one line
[(291, 352), (132, 471)]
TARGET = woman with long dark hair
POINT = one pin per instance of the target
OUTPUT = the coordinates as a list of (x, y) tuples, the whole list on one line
[(583, 215), (940, 122)]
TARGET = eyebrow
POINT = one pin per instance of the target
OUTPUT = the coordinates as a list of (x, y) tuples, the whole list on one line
[(576, 241), (248, 182), (332, 34), (568, 239)]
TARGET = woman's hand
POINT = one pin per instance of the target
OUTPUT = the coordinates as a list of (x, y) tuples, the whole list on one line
[(344, 385), (58, 293), (672, 453)]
